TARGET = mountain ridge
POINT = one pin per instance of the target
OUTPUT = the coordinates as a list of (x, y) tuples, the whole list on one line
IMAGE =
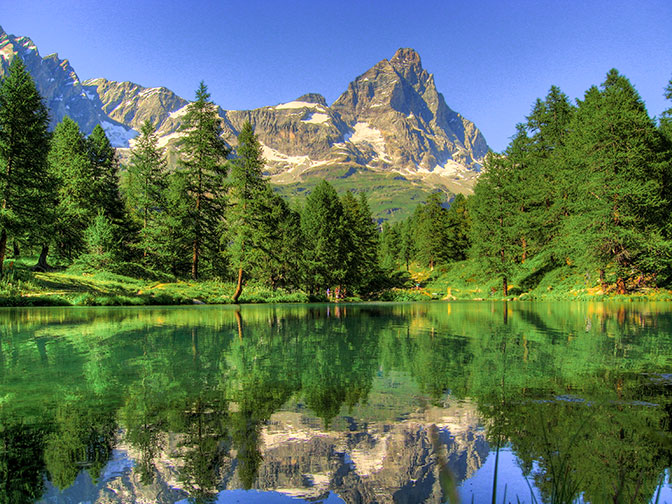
[(390, 124)]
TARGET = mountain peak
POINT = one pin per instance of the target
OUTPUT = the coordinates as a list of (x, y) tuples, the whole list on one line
[(406, 57), (313, 98)]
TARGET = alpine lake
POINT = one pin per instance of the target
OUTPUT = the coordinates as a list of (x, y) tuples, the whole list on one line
[(357, 403)]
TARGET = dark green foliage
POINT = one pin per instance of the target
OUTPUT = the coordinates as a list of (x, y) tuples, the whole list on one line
[(251, 226), (203, 169), (24, 184), (458, 222), (327, 244), (493, 210), (146, 185), (75, 203), (583, 186), (431, 231), (362, 256), (617, 202)]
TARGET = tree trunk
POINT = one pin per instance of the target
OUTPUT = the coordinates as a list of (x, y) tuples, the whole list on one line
[(194, 261), (603, 282), (239, 287), (505, 286), (524, 244), (620, 286), (17, 251), (3, 249), (42, 264)]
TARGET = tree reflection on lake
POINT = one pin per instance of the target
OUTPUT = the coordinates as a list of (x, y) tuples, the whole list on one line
[(432, 402)]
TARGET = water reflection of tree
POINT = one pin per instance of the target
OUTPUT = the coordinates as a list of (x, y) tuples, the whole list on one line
[(216, 381)]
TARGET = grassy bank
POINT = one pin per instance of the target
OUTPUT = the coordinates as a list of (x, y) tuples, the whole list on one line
[(466, 280), (463, 280), (71, 287)]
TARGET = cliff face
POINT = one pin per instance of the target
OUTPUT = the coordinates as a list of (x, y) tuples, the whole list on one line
[(391, 130), (63, 92)]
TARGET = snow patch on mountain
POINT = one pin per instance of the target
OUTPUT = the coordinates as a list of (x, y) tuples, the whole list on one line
[(364, 133), (118, 135), (316, 118), (298, 105)]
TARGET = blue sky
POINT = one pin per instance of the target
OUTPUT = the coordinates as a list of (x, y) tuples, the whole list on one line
[(491, 59)]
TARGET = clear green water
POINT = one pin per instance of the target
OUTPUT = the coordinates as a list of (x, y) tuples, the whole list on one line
[(360, 403)]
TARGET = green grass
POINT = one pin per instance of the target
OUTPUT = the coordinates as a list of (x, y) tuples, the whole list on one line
[(74, 286), (391, 197), (466, 280)]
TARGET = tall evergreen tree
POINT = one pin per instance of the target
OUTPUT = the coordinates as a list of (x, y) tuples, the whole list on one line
[(362, 254), (76, 204), (458, 224), (614, 153), (326, 242), (250, 215), (203, 160), (493, 207), (146, 186), (431, 231), (23, 153), (105, 168)]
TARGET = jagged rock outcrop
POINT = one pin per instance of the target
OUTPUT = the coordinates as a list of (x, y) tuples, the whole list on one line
[(63, 92), (391, 120)]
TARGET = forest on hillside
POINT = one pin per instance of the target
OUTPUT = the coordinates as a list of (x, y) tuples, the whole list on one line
[(582, 186)]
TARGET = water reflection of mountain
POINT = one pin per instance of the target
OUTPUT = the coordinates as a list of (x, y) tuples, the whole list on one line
[(378, 462), (300, 400)]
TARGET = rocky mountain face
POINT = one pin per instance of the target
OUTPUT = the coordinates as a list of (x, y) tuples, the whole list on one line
[(391, 128), (63, 92)]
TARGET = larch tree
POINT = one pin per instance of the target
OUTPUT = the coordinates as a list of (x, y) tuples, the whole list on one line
[(76, 203), (203, 155), (493, 207), (250, 214), (146, 185), (614, 153), (326, 241), (24, 144)]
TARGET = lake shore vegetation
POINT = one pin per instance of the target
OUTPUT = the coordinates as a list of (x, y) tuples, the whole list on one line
[(576, 207)]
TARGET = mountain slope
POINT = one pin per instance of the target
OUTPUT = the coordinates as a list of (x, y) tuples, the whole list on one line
[(63, 92), (390, 133)]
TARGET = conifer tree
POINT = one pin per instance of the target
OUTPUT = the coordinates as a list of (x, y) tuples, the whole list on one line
[(614, 153), (431, 231), (326, 242), (146, 195), (493, 207), (458, 224), (105, 167), (250, 216), (362, 241), (24, 184), (203, 160), (76, 203), (390, 247)]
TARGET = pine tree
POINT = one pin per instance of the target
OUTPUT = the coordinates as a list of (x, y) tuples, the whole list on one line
[(24, 184), (362, 254), (105, 168), (203, 160), (250, 216), (146, 196), (390, 247), (76, 204), (494, 237), (458, 224), (431, 231), (326, 241), (614, 153)]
